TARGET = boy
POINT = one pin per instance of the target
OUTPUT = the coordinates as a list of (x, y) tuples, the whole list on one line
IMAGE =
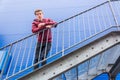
[(43, 27)]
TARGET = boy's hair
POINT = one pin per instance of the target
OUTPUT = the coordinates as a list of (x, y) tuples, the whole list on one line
[(37, 10)]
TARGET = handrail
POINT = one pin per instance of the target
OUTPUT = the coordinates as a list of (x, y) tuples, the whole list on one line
[(21, 39), (114, 0), (83, 12)]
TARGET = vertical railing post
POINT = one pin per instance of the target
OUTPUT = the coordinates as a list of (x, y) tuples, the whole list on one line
[(63, 50), (113, 13)]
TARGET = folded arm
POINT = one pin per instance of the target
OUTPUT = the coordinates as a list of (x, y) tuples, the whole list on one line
[(36, 28)]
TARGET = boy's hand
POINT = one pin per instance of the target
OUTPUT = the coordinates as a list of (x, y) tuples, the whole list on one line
[(55, 25), (49, 26), (41, 24)]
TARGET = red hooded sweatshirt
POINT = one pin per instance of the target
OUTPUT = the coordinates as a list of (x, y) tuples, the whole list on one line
[(45, 35)]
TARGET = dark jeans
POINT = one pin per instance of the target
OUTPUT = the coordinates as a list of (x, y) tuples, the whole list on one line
[(41, 53)]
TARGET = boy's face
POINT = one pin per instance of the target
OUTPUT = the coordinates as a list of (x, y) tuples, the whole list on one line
[(39, 15)]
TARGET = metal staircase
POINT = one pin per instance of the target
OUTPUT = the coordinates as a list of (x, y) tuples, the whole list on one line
[(84, 46), (91, 60)]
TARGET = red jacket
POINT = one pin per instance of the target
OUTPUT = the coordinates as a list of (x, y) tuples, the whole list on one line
[(44, 35)]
